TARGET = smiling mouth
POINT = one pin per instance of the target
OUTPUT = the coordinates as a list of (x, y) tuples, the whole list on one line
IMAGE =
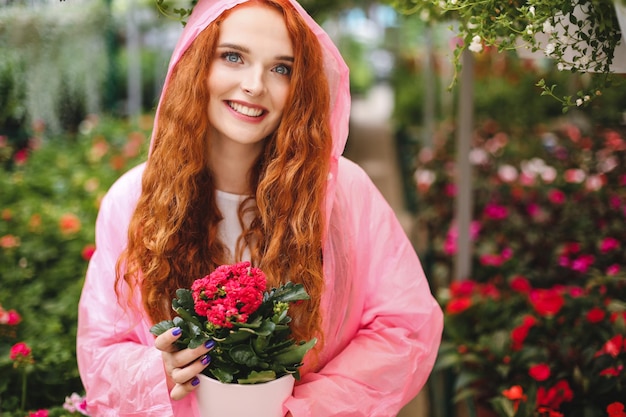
[(246, 111)]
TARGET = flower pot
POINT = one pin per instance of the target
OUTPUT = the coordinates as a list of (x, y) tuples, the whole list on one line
[(216, 399)]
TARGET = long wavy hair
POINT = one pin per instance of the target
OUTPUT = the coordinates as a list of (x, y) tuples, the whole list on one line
[(173, 233)]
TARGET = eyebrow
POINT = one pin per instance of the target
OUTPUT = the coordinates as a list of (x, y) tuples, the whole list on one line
[(247, 51)]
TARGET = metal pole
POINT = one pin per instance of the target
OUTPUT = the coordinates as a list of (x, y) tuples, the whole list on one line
[(463, 209)]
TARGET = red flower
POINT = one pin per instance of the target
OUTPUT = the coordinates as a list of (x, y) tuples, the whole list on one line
[(520, 284), (555, 396), (546, 302), (612, 347), (519, 334), (38, 413), (88, 251), (19, 349), (458, 305), (614, 371), (229, 294), (556, 196), (69, 224), (10, 318), (616, 409), (548, 412), (515, 394), (539, 372), (595, 315), (616, 316), (462, 288)]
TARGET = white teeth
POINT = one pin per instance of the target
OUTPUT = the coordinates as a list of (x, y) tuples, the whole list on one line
[(245, 110)]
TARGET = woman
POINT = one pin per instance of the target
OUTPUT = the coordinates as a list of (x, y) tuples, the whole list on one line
[(245, 164)]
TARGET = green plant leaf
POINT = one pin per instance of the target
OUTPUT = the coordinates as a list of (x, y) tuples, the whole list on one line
[(258, 377)]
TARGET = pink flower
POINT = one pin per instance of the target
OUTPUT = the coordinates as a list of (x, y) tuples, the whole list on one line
[(229, 294), (75, 403), (495, 211), (613, 270), (608, 244), (539, 372), (38, 413), (556, 196), (576, 176), (19, 350), (582, 263), (595, 182)]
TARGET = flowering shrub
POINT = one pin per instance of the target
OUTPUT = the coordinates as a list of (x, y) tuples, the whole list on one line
[(249, 324), (539, 329), (49, 196)]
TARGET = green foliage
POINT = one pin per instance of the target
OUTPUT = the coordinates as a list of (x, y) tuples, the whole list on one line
[(258, 350), (48, 205)]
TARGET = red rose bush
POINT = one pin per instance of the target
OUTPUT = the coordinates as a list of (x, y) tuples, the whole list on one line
[(249, 324)]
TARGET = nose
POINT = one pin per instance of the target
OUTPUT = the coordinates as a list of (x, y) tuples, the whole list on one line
[(253, 83)]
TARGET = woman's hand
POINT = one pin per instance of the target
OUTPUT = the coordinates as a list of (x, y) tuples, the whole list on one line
[(182, 366)]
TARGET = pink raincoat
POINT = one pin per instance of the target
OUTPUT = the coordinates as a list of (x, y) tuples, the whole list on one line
[(382, 325)]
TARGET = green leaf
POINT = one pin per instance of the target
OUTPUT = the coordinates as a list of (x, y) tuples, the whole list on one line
[(162, 327), (294, 354), (245, 355), (258, 377)]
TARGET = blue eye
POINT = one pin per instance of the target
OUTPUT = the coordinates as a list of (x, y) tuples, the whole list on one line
[(233, 57), (283, 69)]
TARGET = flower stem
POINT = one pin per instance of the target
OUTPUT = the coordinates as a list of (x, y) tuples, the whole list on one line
[(23, 403)]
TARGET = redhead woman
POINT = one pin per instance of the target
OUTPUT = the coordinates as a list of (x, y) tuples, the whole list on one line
[(245, 164)]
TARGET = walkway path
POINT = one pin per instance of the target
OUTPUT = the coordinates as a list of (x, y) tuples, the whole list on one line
[(371, 145)]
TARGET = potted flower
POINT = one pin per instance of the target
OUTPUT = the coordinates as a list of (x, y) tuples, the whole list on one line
[(580, 35), (254, 356)]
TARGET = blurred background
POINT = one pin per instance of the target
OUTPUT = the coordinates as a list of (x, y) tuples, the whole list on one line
[(492, 180)]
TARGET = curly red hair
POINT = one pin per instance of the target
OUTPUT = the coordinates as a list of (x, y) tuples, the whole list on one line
[(172, 237)]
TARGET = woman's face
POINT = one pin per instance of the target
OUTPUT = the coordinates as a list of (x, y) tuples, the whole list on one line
[(249, 78)]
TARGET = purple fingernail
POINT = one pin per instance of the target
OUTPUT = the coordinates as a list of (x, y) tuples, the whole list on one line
[(195, 381), (209, 344), (205, 360), (176, 331)]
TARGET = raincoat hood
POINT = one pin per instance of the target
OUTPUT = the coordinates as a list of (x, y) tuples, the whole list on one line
[(337, 73)]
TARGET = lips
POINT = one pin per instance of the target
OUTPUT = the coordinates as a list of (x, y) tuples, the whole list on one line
[(245, 110)]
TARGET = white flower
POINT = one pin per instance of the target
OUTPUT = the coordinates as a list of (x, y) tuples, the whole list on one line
[(453, 2), (476, 45), (560, 66), (529, 29), (478, 156), (472, 25), (531, 9), (579, 102), (549, 49), (547, 27), (548, 174), (586, 98), (425, 15), (507, 173)]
